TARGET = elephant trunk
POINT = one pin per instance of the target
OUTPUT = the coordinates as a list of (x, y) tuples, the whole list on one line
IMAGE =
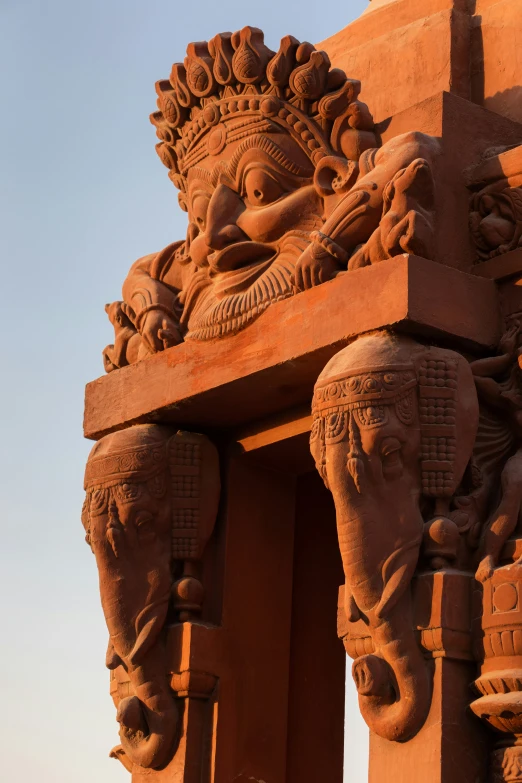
[(394, 684), (148, 719)]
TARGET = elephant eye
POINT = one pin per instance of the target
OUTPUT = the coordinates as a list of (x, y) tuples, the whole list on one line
[(145, 524), (128, 492), (391, 458)]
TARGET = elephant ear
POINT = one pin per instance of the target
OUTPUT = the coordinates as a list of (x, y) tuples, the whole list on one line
[(397, 573)]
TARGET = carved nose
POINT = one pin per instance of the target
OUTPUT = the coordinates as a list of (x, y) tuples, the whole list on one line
[(223, 211)]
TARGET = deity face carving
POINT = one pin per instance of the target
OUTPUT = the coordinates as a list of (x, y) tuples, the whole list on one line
[(242, 131), (285, 185), (252, 208), (244, 202), (280, 171)]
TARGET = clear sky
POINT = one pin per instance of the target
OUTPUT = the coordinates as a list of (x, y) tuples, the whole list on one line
[(82, 196)]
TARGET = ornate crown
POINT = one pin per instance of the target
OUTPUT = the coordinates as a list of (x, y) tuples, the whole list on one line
[(235, 86)]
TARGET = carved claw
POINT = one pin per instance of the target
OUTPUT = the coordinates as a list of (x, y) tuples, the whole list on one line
[(315, 266), (485, 569), (168, 335), (107, 354)]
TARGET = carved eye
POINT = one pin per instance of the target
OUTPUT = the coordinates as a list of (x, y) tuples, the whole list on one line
[(391, 458), (145, 524), (127, 492), (261, 188), (199, 210)]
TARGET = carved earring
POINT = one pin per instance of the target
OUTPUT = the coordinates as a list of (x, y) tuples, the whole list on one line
[(354, 463), (114, 527), (335, 175), (318, 448)]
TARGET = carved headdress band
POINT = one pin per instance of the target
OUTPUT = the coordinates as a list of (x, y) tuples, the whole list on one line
[(363, 388), (234, 86), (127, 465)]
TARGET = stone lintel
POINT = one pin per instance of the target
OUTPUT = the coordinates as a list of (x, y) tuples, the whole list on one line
[(273, 364)]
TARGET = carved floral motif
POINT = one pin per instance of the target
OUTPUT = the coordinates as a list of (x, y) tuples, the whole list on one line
[(279, 169)]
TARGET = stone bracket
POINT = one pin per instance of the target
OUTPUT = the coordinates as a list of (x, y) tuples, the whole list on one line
[(284, 350)]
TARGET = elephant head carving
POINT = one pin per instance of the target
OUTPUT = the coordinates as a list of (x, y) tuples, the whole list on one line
[(151, 502), (393, 431)]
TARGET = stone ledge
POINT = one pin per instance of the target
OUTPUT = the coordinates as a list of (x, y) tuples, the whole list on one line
[(273, 364), (501, 267)]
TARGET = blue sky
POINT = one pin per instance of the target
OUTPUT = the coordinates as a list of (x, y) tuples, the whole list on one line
[(83, 195)]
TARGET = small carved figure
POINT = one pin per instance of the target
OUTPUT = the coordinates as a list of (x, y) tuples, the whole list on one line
[(393, 431), (496, 220), (279, 170), (150, 507), (498, 382), (127, 340)]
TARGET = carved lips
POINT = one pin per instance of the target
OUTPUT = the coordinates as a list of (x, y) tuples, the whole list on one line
[(237, 266)]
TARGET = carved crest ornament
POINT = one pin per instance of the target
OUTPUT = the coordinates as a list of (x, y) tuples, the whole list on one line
[(285, 186)]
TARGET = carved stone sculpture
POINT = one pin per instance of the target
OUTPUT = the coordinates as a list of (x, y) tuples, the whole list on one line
[(394, 427), (496, 222), (499, 624), (496, 203), (354, 224), (280, 172), (150, 508)]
